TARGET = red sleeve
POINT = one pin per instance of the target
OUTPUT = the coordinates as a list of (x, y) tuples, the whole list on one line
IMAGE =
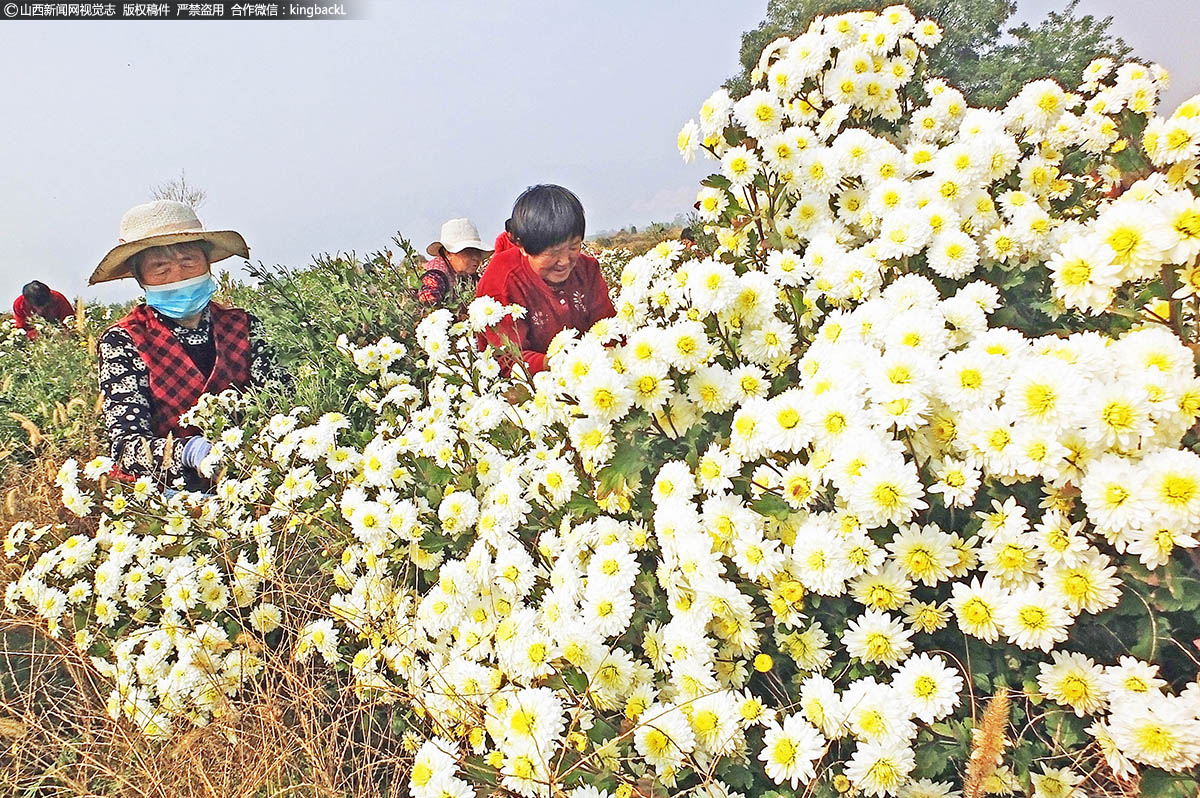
[(60, 306), (516, 332), (496, 283), (19, 315)]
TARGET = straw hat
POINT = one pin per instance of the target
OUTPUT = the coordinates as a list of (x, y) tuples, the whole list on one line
[(157, 224), (457, 235)]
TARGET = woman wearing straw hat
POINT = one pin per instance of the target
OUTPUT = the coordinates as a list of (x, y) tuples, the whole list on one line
[(452, 273), (177, 345)]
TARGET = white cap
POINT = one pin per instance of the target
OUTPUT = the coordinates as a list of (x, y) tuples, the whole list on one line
[(457, 235)]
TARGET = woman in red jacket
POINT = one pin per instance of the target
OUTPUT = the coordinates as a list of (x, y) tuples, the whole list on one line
[(37, 299), (546, 273)]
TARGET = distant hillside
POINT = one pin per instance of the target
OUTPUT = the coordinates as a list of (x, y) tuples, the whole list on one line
[(638, 239)]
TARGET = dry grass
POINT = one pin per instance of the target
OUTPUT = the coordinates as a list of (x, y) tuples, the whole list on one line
[(988, 744), (300, 730), (640, 242)]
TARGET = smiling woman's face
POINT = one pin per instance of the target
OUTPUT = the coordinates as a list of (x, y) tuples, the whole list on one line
[(165, 265), (555, 264)]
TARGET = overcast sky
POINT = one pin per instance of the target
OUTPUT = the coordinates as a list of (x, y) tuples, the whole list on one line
[(317, 137)]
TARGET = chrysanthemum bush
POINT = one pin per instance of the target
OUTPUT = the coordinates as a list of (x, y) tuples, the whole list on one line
[(789, 521)]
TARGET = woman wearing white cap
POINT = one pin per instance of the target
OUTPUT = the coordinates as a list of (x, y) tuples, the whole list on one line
[(452, 273), (177, 345)]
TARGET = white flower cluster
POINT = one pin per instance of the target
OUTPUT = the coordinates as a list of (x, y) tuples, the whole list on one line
[(957, 188), (747, 521), (11, 337)]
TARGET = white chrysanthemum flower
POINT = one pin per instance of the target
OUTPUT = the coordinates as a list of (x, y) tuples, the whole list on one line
[(535, 720), (604, 396), (319, 636), (713, 286), (1073, 680), (1154, 544), (740, 165), (927, 33), (953, 254), (821, 706), (760, 113), (716, 723), (1057, 783), (688, 346), (1173, 486), (1033, 617), (525, 772), (436, 760), (663, 736), (711, 203), (930, 688), (714, 470), (887, 492), (880, 768), (485, 312), (790, 751), (1139, 237), (1131, 679), (1182, 212), (1090, 584), (1085, 273), (928, 788), (877, 637), (925, 553), (266, 617), (1157, 731), (688, 141), (887, 588), (818, 559), (714, 112), (977, 607)]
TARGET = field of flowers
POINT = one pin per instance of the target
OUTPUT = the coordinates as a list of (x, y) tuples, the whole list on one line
[(894, 493)]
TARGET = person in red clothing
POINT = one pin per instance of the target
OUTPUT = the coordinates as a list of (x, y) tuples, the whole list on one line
[(504, 240), (37, 299), (546, 273)]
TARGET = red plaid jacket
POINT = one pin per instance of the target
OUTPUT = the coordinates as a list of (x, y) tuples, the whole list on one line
[(175, 382)]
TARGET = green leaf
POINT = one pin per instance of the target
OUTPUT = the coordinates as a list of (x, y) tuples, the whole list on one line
[(626, 462), (582, 506), (1161, 784), (772, 505), (931, 759)]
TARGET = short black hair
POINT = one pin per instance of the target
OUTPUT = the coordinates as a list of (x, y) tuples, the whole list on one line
[(545, 216), (36, 293), (686, 234)]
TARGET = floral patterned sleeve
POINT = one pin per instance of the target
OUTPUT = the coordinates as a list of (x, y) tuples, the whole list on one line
[(434, 287), (264, 369)]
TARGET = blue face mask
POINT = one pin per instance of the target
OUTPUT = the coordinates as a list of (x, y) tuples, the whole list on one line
[(184, 298)]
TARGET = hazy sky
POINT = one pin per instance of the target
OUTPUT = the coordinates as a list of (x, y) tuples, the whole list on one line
[(324, 136)]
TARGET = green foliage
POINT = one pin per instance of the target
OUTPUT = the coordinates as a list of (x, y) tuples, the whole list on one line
[(48, 384), (974, 54), (1059, 47), (304, 311)]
